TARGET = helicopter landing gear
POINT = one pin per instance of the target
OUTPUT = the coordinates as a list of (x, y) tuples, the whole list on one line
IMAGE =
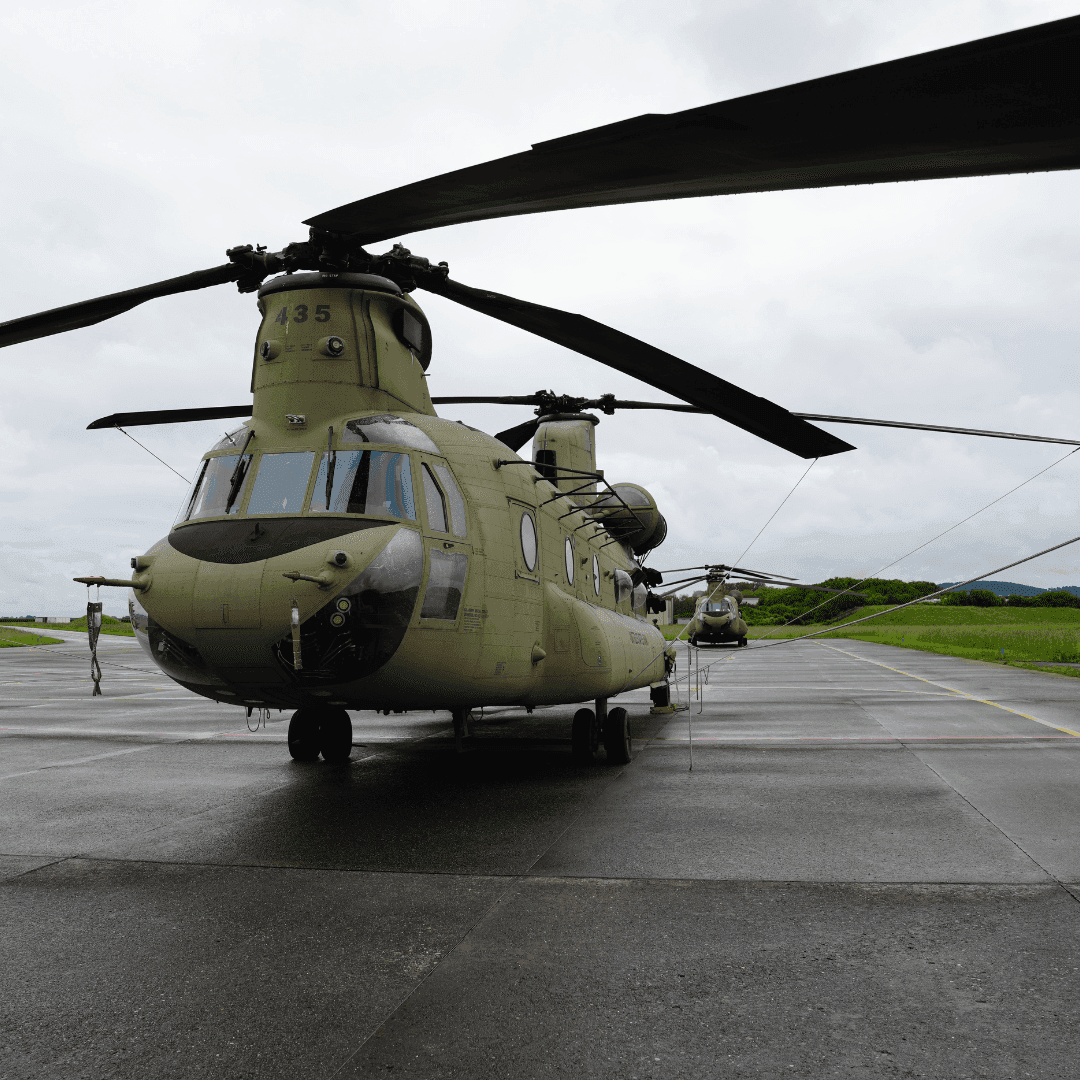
[(742, 643), (304, 735), (693, 640), (589, 727), (314, 730), (585, 736), (617, 737), (335, 735), (461, 727)]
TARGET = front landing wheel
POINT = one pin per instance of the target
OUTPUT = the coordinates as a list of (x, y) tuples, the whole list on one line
[(335, 736), (617, 737), (304, 735), (583, 736)]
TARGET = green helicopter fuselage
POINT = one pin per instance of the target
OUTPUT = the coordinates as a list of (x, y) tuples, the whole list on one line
[(348, 546)]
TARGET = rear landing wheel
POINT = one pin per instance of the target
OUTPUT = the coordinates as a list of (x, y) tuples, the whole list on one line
[(583, 737), (304, 735), (742, 643), (335, 735), (617, 737)]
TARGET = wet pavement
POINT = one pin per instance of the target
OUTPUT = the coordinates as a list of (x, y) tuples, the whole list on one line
[(871, 870)]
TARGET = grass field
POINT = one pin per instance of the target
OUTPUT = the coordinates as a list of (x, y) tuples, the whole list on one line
[(109, 625), (13, 638), (1019, 635)]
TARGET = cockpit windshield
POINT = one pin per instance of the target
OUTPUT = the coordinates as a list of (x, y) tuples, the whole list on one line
[(281, 483), (718, 607), (219, 488), (371, 482)]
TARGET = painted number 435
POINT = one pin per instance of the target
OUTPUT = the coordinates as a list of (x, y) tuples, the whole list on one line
[(300, 314)]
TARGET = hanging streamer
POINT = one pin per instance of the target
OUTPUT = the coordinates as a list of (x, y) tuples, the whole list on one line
[(93, 629)]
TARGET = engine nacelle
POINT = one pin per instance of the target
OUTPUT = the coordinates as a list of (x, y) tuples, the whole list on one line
[(632, 517)]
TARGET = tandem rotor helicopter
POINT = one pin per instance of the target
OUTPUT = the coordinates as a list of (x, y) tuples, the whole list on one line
[(347, 548)]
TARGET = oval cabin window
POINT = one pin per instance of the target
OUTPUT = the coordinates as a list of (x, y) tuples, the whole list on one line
[(528, 541)]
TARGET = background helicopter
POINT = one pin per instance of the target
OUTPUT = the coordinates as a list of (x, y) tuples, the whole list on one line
[(925, 123)]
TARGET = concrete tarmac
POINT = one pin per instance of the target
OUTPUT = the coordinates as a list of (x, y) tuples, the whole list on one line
[(872, 870)]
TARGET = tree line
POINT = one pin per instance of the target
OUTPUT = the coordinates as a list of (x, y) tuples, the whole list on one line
[(802, 606)]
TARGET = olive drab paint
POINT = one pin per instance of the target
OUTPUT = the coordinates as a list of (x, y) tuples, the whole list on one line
[(717, 619), (445, 572)]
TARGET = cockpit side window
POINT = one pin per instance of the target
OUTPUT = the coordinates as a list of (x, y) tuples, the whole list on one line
[(373, 482), (455, 502), (433, 497)]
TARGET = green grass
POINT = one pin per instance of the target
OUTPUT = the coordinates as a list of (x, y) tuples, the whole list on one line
[(1025, 634), (13, 639), (1071, 672), (109, 625), (671, 632)]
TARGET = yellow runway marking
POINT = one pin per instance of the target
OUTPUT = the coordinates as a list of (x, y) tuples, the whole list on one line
[(961, 693)]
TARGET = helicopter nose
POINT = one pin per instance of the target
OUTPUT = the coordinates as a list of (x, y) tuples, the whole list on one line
[(356, 630)]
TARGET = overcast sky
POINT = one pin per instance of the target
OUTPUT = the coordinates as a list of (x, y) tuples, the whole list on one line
[(141, 140)]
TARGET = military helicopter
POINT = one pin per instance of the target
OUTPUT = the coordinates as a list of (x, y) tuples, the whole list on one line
[(347, 548), (717, 619)]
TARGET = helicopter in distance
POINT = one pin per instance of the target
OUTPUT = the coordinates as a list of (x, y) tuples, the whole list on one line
[(347, 548)]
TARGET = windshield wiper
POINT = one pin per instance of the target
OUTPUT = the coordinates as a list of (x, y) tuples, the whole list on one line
[(237, 481), (331, 464)]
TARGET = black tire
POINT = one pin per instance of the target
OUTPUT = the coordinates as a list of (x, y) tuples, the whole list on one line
[(742, 643), (581, 739), (304, 735), (693, 640), (617, 737), (335, 736)]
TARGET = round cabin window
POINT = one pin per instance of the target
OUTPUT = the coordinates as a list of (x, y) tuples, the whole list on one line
[(570, 560), (596, 575), (528, 541)]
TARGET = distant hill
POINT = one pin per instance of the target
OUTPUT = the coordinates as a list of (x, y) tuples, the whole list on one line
[(1011, 588)]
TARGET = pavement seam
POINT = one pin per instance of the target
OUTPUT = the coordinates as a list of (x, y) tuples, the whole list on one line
[(511, 883), (926, 765), (35, 869), (512, 880), (1053, 877), (77, 761)]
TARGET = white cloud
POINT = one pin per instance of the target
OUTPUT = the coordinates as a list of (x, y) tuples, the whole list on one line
[(142, 140)]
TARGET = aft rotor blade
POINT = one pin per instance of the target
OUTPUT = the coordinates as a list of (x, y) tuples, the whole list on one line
[(721, 567), (168, 416), (1002, 104), (672, 407), (517, 437), (87, 312), (936, 427), (651, 365)]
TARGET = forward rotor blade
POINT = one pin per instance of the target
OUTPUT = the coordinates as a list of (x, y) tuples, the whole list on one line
[(527, 399), (517, 437), (651, 365), (87, 312), (168, 416), (1001, 104)]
